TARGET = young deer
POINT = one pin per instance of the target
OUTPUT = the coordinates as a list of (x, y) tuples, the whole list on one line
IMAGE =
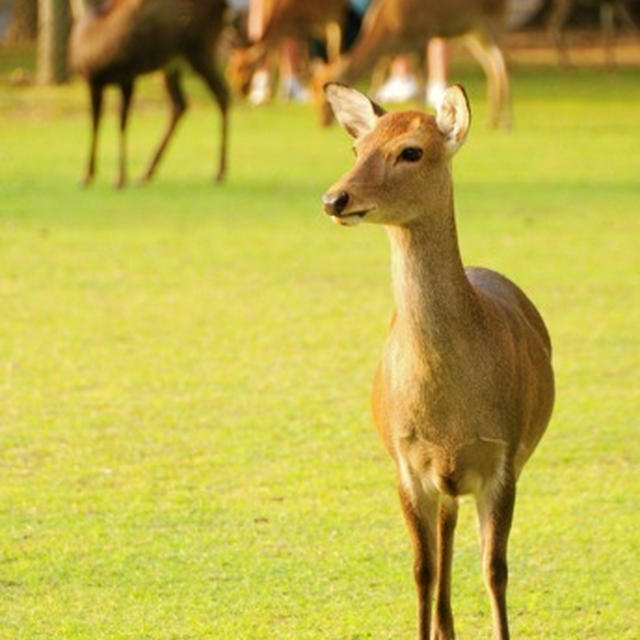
[(122, 39), (465, 389), (392, 26)]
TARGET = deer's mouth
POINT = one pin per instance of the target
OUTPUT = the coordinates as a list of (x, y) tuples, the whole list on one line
[(350, 218)]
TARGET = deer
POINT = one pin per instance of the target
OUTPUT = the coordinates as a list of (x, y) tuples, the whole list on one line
[(465, 388), (394, 26), (561, 11), (282, 19), (118, 40)]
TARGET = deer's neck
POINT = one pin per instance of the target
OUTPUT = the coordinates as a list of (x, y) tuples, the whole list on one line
[(432, 294)]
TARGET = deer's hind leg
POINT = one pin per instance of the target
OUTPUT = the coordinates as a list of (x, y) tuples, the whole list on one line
[(555, 26), (495, 512), (178, 105), (608, 27), (486, 50), (202, 64)]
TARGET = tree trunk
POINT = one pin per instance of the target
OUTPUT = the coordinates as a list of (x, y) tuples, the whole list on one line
[(54, 21), (24, 22)]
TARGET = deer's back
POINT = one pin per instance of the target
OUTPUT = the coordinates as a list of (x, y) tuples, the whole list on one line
[(427, 18), (128, 37), (295, 18)]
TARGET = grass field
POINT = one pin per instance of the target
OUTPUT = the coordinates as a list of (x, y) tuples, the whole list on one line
[(186, 450)]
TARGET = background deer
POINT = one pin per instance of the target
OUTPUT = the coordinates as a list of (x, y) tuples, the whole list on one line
[(465, 389), (283, 19), (122, 39), (393, 26)]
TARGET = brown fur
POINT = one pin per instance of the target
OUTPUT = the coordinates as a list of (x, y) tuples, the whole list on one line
[(122, 39), (465, 389)]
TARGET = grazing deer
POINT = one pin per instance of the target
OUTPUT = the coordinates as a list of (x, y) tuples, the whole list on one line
[(561, 11), (465, 389), (393, 26), (122, 39), (282, 19)]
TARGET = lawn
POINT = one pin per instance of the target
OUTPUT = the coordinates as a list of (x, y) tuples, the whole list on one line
[(186, 450)]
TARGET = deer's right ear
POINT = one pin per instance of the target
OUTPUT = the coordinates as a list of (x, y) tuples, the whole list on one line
[(355, 111), (453, 117)]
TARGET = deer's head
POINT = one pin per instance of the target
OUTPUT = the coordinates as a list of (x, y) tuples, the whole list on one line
[(243, 62), (403, 158)]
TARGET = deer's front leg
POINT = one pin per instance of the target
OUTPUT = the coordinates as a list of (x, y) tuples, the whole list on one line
[(126, 88), (495, 512), (421, 512), (447, 519)]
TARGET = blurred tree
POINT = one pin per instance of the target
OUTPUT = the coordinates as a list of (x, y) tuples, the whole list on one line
[(54, 22), (78, 7), (24, 22)]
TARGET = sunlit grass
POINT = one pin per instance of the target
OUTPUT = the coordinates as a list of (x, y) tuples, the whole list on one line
[(186, 447)]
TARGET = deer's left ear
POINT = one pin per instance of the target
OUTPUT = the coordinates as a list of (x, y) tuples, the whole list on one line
[(355, 111), (453, 117)]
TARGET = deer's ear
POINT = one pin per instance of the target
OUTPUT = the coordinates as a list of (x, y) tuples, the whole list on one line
[(356, 112), (453, 117)]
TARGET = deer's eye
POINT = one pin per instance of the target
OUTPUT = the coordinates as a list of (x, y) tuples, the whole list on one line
[(410, 154)]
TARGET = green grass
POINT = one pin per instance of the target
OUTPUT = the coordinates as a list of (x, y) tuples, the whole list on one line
[(186, 450)]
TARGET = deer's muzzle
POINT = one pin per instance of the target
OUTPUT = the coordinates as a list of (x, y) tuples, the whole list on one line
[(335, 203)]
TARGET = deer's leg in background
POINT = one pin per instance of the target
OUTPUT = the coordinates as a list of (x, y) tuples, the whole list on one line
[(607, 24), (437, 70), (447, 519), (379, 74), (495, 513), (95, 91), (487, 52), (126, 89), (502, 78), (334, 41), (178, 105), (216, 82), (559, 15), (480, 51)]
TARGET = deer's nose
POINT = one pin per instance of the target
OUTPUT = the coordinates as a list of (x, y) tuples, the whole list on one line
[(335, 203)]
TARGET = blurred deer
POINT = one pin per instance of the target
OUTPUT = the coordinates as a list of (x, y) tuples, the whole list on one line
[(393, 26), (609, 9), (119, 40), (464, 390), (283, 19)]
